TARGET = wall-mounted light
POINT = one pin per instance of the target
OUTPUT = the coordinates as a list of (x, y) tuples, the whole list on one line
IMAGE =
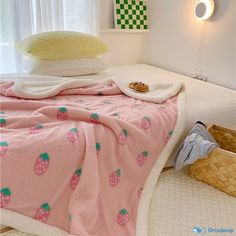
[(204, 9)]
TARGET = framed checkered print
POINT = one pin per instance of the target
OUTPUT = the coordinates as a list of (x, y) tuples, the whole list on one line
[(130, 14)]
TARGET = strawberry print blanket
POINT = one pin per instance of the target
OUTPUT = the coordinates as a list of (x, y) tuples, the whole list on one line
[(78, 161)]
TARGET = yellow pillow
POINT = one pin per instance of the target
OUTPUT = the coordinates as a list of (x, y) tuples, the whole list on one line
[(62, 45)]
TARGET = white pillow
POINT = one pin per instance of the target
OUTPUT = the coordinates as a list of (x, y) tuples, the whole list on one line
[(65, 67)]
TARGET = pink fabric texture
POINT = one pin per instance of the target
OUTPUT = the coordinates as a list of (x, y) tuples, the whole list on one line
[(79, 161)]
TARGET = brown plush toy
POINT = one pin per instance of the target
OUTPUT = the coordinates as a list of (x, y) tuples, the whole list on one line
[(139, 86)]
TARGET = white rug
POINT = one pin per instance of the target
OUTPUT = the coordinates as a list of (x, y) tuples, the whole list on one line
[(181, 203)]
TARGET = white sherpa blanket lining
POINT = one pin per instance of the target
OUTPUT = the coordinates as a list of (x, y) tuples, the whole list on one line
[(39, 87)]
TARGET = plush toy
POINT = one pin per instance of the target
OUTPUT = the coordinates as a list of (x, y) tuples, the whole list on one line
[(139, 86)]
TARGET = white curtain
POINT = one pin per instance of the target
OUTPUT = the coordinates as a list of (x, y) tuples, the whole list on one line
[(21, 18)]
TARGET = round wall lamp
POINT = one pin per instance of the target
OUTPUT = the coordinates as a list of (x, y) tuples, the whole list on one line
[(204, 9)]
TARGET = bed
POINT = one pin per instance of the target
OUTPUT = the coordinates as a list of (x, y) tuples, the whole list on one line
[(218, 109)]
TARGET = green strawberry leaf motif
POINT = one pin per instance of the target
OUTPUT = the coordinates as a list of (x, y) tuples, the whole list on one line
[(78, 172), (2, 112), (6, 191), (123, 212), (145, 153), (118, 172), (125, 132), (2, 121), (95, 116), (44, 156), (147, 118), (45, 207), (63, 109), (74, 130), (3, 144), (98, 147), (39, 126)]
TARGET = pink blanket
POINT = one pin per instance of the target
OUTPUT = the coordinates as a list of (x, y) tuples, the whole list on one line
[(78, 162)]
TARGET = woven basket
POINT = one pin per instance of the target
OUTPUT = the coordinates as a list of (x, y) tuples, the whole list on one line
[(218, 169)]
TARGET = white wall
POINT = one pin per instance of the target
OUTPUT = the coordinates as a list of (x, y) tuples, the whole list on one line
[(174, 37), (125, 48)]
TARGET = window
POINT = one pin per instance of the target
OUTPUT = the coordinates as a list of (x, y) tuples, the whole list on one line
[(21, 18)]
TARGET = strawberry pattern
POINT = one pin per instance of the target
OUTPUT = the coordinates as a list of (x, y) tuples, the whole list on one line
[(73, 135), (123, 217), (41, 164), (94, 118), (119, 167), (3, 148), (115, 178), (122, 138), (98, 147), (168, 136), (141, 158), (146, 122), (75, 178), (5, 197), (36, 129), (43, 212), (2, 122), (62, 114)]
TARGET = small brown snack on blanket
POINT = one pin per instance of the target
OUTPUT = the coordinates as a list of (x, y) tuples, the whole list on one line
[(139, 86)]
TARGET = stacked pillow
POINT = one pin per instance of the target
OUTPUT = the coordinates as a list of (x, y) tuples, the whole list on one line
[(63, 53)]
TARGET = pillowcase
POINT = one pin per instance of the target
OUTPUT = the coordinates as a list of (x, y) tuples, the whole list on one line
[(62, 45), (64, 67)]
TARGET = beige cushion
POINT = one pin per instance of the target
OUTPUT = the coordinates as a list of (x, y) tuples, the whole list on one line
[(62, 45)]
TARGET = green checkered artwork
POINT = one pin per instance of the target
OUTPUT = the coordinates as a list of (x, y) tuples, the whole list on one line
[(130, 14)]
